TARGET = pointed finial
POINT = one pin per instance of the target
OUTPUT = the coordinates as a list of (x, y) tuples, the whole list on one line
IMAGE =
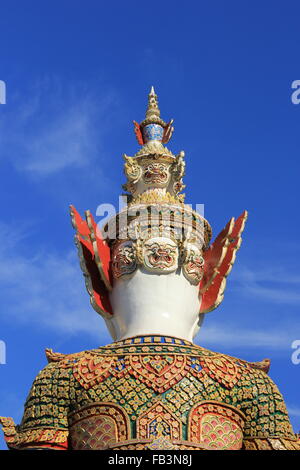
[(153, 109), (153, 127)]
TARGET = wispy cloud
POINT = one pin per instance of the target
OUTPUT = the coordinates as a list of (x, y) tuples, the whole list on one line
[(294, 411), (276, 285), (46, 289), (67, 141), (278, 275), (235, 337), (54, 126)]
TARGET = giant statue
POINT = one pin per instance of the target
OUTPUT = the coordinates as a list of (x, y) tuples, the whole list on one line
[(153, 273)]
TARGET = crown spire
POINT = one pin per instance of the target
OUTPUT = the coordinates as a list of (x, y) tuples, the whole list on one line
[(153, 128), (153, 109)]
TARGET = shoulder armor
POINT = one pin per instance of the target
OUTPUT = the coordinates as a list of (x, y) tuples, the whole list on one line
[(222, 369), (263, 365), (58, 357), (54, 356), (9, 430), (228, 370)]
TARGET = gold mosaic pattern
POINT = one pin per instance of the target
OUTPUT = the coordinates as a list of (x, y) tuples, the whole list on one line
[(60, 389), (216, 426), (98, 426)]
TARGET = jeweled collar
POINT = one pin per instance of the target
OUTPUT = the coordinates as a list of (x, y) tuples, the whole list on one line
[(151, 339)]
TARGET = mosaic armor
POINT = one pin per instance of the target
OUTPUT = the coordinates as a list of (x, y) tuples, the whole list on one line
[(152, 392)]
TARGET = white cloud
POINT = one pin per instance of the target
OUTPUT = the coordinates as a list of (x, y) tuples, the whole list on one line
[(53, 127), (281, 296), (244, 338), (67, 142), (282, 285), (46, 290), (294, 411), (273, 274)]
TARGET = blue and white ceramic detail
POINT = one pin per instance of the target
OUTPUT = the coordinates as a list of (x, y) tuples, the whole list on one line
[(153, 132)]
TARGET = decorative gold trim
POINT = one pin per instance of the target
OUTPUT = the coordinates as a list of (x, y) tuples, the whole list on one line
[(155, 148), (153, 196), (142, 444), (216, 403)]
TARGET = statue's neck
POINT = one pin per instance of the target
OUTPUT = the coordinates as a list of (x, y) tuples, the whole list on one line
[(148, 304), (153, 326), (169, 323)]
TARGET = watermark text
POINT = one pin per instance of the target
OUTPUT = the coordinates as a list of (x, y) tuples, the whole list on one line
[(2, 92), (296, 354), (295, 96), (2, 352)]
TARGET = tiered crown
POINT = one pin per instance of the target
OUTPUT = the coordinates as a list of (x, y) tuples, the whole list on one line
[(153, 128)]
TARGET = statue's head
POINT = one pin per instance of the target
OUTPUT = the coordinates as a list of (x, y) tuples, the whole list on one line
[(156, 270), (150, 270), (156, 241)]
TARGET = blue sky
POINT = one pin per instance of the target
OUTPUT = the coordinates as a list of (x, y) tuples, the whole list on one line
[(77, 74)]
